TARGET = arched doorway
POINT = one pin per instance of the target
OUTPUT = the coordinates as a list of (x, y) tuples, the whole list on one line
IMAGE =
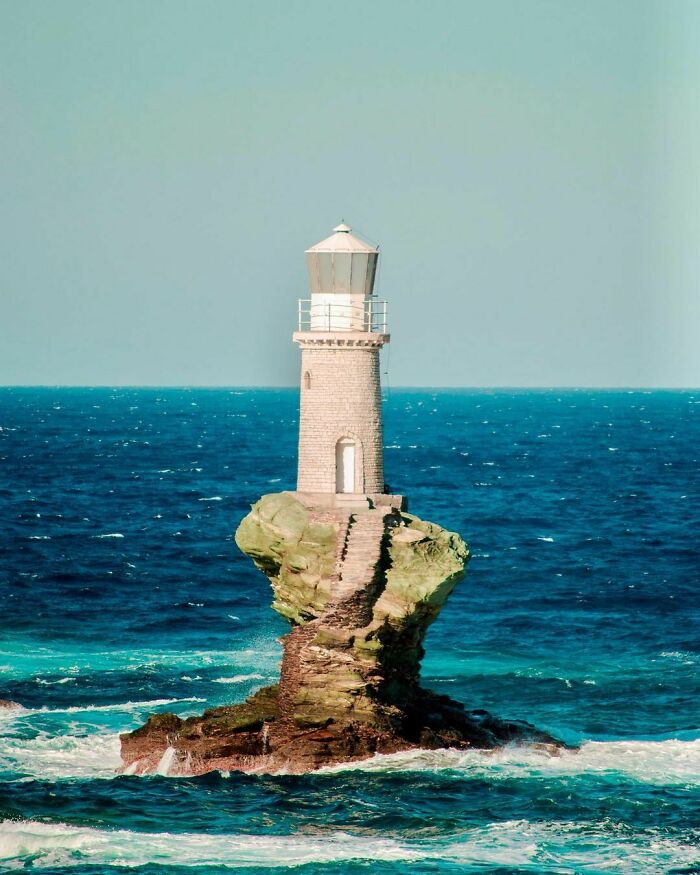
[(345, 465)]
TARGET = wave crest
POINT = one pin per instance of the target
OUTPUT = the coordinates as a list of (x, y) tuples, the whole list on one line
[(512, 843), (653, 762), (57, 757)]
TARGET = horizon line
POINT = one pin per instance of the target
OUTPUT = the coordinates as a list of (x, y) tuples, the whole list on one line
[(385, 389)]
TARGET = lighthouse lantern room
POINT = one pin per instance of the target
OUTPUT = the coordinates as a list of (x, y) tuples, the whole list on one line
[(342, 328)]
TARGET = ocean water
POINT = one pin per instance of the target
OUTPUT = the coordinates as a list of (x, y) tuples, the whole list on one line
[(122, 593)]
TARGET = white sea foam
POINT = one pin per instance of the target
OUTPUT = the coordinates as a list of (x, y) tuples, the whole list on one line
[(110, 535), (55, 757), (12, 712), (166, 761), (652, 762), (581, 847), (88, 709), (53, 683), (547, 539), (239, 678), (684, 656), (119, 706), (79, 751), (59, 844), (211, 498)]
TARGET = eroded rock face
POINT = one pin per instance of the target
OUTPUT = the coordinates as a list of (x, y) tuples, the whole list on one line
[(359, 590), (295, 549)]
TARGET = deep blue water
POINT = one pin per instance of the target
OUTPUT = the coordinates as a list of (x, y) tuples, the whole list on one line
[(122, 593)]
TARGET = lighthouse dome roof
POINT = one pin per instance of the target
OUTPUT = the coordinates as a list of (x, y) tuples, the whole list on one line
[(343, 240)]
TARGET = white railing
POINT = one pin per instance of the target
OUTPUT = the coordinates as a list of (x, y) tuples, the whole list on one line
[(368, 316)]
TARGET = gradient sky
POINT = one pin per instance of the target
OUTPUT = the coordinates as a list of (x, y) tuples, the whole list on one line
[(531, 171)]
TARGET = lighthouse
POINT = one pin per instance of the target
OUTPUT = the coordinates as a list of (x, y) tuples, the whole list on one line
[(342, 328)]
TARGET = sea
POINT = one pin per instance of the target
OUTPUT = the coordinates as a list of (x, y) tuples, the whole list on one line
[(122, 594)]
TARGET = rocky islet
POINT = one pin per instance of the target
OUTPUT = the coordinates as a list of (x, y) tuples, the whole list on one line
[(359, 588)]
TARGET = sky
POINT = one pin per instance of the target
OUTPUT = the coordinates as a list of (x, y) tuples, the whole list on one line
[(530, 169)]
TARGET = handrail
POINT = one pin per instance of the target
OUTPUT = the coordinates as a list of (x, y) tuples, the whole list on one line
[(370, 316)]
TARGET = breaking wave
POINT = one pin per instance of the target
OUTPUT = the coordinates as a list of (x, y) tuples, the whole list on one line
[(57, 757), (653, 762), (19, 711), (239, 678), (582, 846), (81, 752)]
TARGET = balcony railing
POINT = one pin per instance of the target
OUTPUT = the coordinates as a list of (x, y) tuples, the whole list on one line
[(368, 316)]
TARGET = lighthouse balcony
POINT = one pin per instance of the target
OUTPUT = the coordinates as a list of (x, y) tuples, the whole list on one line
[(369, 316)]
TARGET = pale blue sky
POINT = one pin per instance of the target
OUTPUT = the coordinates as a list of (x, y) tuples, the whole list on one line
[(531, 171)]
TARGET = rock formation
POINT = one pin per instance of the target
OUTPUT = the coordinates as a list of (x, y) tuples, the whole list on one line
[(360, 589)]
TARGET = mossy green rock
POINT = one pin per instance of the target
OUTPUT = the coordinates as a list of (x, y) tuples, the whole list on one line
[(296, 553), (426, 561)]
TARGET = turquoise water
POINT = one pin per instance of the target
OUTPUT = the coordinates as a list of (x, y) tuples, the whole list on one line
[(122, 593)]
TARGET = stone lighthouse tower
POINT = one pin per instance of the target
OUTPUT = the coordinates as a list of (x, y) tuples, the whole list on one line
[(342, 328)]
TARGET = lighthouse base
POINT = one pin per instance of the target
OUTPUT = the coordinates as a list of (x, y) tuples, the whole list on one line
[(351, 500)]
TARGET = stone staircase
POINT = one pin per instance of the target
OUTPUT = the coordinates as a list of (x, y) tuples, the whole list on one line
[(357, 560), (341, 549), (312, 670), (342, 519), (359, 557)]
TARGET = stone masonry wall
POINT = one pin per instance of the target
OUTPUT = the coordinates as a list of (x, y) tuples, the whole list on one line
[(340, 397)]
